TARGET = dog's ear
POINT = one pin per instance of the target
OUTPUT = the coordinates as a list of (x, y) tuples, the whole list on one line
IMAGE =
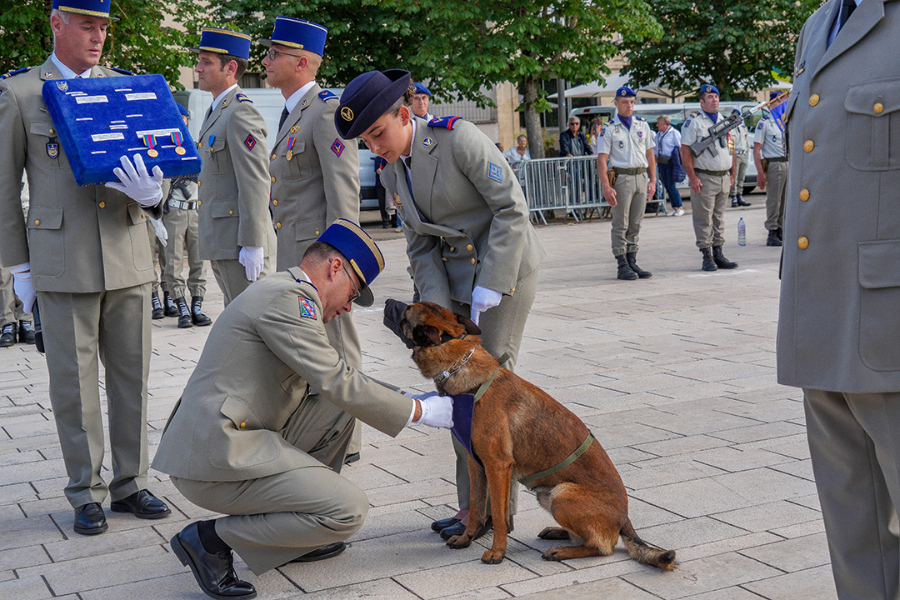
[(469, 324), (426, 335)]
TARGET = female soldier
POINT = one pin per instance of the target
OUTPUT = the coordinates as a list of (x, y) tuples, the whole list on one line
[(470, 243)]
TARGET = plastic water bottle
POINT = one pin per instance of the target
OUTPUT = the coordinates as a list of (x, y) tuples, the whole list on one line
[(742, 233)]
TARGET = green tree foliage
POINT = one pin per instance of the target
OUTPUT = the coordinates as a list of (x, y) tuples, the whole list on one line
[(138, 42), (734, 45)]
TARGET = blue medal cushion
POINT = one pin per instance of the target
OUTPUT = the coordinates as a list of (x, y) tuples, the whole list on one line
[(101, 118)]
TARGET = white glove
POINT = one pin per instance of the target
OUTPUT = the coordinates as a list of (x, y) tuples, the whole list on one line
[(252, 258), (483, 299), (437, 411), (137, 184), (161, 234), (22, 285)]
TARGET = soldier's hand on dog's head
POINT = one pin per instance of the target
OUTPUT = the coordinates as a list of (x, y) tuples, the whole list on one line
[(437, 411)]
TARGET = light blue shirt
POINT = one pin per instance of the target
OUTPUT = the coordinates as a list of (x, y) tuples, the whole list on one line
[(65, 71)]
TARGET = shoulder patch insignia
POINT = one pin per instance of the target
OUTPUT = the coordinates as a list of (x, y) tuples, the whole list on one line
[(304, 104), (687, 123), (696, 113), (325, 95), (495, 172), (243, 98), (14, 73), (307, 308), (250, 142), (337, 147), (122, 71), (445, 122)]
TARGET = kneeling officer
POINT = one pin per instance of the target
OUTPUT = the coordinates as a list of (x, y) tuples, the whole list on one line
[(248, 441)]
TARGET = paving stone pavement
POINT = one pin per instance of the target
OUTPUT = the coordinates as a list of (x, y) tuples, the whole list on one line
[(675, 375)]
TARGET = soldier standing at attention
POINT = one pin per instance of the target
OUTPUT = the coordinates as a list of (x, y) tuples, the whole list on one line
[(742, 158), (85, 255), (769, 152), (711, 176), (626, 143), (235, 228), (315, 175)]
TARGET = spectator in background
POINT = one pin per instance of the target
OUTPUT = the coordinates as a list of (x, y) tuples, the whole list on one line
[(742, 158), (668, 153), (388, 208), (594, 137), (520, 152), (572, 142), (420, 102)]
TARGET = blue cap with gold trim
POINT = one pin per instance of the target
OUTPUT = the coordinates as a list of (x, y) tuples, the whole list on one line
[(421, 89), (367, 98), (297, 33), (223, 41), (360, 250), (91, 8), (625, 92), (707, 88)]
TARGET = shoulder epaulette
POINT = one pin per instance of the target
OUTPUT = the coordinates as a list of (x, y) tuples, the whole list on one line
[(325, 95), (695, 114), (14, 73), (640, 118), (445, 122), (242, 98), (122, 71)]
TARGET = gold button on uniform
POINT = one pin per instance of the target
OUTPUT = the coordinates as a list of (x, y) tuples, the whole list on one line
[(230, 212), (143, 216), (470, 247), (200, 203), (808, 145), (317, 233), (803, 243), (243, 425), (444, 258), (278, 225), (102, 205), (878, 108), (452, 249), (473, 261), (274, 156), (512, 291), (37, 221), (199, 183), (804, 194), (273, 179), (814, 99), (52, 131), (274, 202)]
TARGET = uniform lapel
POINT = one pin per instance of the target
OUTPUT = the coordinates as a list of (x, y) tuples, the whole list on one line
[(297, 114), (223, 104), (425, 160), (410, 214), (865, 17), (49, 71)]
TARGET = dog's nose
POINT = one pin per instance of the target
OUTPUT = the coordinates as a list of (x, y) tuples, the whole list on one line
[(393, 315)]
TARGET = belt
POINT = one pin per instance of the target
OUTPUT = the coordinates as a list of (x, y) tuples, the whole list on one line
[(713, 173), (183, 205), (623, 171), (777, 159)]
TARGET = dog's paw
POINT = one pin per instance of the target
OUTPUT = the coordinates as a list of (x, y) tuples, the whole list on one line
[(554, 533), (552, 554), (493, 557), (459, 541)]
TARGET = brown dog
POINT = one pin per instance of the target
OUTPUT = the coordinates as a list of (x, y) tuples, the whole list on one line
[(518, 431)]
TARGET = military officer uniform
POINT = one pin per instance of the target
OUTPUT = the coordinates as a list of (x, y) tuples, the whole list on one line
[(770, 136), (742, 150), (158, 252), (90, 264), (13, 320), (182, 223), (839, 324)]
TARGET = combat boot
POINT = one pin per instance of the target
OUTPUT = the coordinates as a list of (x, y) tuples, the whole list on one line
[(184, 319), (171, 309), (721, 261), (740, 201), (632, 262), (26, 332), (625, 271), (8, 335), (773, 239), (734, 202), (708, 263), (157, 312), (200, 320), (780, 233)]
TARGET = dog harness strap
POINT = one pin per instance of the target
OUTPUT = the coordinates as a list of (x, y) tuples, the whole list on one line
[(505, 357), (568, 461), (484, 386)]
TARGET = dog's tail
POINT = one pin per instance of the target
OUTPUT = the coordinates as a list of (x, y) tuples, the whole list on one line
[(642, 552)]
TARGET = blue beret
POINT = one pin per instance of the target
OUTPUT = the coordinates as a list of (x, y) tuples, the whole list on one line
[(625, 92), (708, 87), (91, 8), (224, 41), (184, 112), (367, 98), (736, 110), (297, 33), (421, 89), (361, 252)]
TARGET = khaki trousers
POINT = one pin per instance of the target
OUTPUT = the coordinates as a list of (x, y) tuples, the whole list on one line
[(232, 277), (10, 305), (502, 329), (184, 235), (275, 519), (740, 173), (708, 210), (855, 452), (159, 251), (628, 213), (78, 328), (776, 174)]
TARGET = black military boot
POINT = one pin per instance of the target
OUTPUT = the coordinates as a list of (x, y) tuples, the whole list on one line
[(158, 312), (185, 319), (8, 335), (171, 309), (740, 201), (773, 239), (708, 263), (630, 257), (721, 261), (625, 271), (780, 233), (26, 332), (200, 320), (734, 202)]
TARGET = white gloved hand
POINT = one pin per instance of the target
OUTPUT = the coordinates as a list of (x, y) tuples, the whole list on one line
[(161, 234), (136, 183), (437, 411), (252, 258), (22, 285), (483, 299)]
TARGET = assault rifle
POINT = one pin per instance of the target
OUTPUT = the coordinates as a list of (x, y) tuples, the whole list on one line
[(724, 126)]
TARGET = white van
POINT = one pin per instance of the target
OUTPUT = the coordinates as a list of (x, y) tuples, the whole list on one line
[(270, 103)]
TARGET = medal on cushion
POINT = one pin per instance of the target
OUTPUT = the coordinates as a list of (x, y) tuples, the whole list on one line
[(178, 139), (290, 147), (150, 143)]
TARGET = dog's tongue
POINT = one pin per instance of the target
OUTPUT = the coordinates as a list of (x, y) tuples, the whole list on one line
[(393, 314)]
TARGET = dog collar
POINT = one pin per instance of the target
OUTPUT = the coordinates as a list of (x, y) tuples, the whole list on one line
[(444, 376)]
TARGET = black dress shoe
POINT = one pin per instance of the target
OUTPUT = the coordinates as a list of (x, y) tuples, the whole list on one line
[(459, 529), (90, 520), (444, 524), (322, 553), (213, 572), (143, 505), (351, 458)]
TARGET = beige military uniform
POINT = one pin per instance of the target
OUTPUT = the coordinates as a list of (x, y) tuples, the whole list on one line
[(712, 167), (182, 223), (91, 266), (770, 135), (10, 305), (743, 152), (627, 150), (234, 190), (247, 440)]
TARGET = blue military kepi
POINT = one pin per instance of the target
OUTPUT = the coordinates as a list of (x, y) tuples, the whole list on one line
[(360, 250), (367, 98), (223, 41), (707, 88), (91, 8), (625, 92), (297, 33), (421, 89), (184, 112)]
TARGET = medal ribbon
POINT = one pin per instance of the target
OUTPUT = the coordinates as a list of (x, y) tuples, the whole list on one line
[(177, 138), (149, 140), (290, 142)]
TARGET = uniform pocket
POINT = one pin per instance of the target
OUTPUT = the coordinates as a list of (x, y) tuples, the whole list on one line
[(879, 307), (873, 125), (46, 132), (218, 158), (299, 165), (250, 443), (308, 229), (45, 232)]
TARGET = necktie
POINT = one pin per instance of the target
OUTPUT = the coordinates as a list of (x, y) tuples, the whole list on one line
[(847, 8), (284, 116)]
